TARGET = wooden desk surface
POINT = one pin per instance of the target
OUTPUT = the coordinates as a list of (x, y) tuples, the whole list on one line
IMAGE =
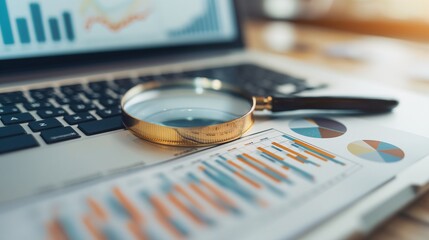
[(309, 44)]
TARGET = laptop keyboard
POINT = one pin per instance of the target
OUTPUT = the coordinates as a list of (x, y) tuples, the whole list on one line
[(58, 114)]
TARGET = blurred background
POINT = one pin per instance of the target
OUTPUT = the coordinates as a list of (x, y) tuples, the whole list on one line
[(383, 41), (395, 18), (377, 40)]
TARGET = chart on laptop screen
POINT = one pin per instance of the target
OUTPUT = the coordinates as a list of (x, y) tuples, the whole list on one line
[(39, 28)]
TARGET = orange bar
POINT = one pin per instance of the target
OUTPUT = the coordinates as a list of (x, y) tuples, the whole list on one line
[(289, 150), (92, 229), (235, 165), (244, 178), (184, 209), (135, 230), (182, 191), (259, 170), (55, 231), (164, 221), (294, 158), (270, 153), (132, 210), (316, 156), (162, 209), (163, 215), (265, 165), (218, 193), (203, 195), (97, 209), (314, 149)]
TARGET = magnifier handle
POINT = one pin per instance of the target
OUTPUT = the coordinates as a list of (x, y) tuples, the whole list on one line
[(333, 103)]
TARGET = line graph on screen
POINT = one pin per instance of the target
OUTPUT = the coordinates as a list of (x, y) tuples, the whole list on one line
[(114, 15)]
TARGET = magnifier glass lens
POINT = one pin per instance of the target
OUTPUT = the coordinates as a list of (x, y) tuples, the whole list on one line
[(186, 107)]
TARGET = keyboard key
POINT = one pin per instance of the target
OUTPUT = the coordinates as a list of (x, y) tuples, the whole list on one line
[(51, 112), (13, 130), (9, 110), (37, 105), (71, 89), (109, 102), (12, 99), (16, 143), (44, 125), (123, 82), (59, 135), (75, 99), (42, 93), (99, 86), (96, 95), (101, 126), (17, 118), (79, 118), (121, 90), (82, 107), (109, 112), (39, 96), (16, 93), (42, 90), (146, 78)]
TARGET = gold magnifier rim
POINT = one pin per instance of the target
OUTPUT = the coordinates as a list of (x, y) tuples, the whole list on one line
[(188, 136)]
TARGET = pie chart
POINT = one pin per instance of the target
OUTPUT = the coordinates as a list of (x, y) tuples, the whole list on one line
[(376, 151), (318, 127)]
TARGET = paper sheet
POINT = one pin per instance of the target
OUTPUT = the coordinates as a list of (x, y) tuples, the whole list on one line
[(288, 178)]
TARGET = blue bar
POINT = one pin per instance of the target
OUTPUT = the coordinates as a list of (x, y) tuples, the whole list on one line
[(238, 191), (176, 224), (111, 233), (265, 183), (213, 16), (200, 216), (55, 29), (266, 170), (68, 26), (193, 178), (223, 164), (70, 228), (305, 148), (276, 148), (297, 170), (36, 15), (24, 34), (179, 226), (310, 150), (290, 138), (234, 187), (6, 28), (219, 172), (117, 207), (300, 158)]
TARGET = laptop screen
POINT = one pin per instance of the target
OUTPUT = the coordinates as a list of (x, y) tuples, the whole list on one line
[(35, 28)]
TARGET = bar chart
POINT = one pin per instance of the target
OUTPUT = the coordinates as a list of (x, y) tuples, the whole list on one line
[(207, 23), (35, 28), (212, 191)]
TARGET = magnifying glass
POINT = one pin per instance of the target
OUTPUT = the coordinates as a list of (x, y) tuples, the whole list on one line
[(203, 112)]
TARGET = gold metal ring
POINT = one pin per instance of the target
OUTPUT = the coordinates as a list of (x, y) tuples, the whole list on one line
[(188, 136)]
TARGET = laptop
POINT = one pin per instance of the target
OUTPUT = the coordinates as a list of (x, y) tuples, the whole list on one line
[(64, 68)]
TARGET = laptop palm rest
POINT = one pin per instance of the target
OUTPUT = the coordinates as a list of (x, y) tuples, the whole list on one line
[(25, 173)]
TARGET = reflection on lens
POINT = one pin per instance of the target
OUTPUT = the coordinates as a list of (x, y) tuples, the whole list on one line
[(190, 117), (184, 107), (191, 122)]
